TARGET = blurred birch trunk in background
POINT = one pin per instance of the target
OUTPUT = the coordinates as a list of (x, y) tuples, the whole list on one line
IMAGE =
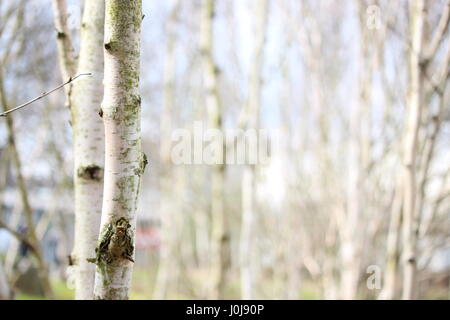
[(219, 221), (251, 122), (413, 121), (169, 216), (353, 226)]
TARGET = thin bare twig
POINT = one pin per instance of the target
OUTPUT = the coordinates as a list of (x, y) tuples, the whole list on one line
[(439, 33), (22, 238), (71, 79)]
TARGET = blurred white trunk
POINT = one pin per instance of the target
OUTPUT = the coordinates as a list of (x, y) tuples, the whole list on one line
[(417, 20), (66, 55), (219, 226), (358, 154), (251, 122), (247, 234), (329, 281), (168, 215), (201, 212), (350, 232), (392, 249), (124, 159), (294, 253)]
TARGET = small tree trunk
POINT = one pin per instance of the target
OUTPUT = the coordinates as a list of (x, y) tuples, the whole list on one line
[(88, 138), (417, 8), (392, 249), (84, 99), (248, 179), (66, 55), (124, 160), (359, 140), (219, 241), (168, 215)]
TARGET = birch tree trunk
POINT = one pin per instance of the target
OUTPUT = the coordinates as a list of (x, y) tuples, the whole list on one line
[(219, 225), (84, 99), (169, 226), (124, 160), (417, 20), (248, 178), (352, 235), (88, 139), (392, 249), (66, 55)]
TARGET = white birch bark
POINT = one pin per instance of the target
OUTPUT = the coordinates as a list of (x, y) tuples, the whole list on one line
[(168, 214), (66, 55), (392, 249), (352, 235), (248, 179), (84, 99), (417, 20), (219, 233), (88, 139), (124, 159)]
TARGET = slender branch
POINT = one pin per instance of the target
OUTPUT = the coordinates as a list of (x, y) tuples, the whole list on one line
[(24, 195), (18, 236), (439, 33), (71, 79), (423, 61)]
